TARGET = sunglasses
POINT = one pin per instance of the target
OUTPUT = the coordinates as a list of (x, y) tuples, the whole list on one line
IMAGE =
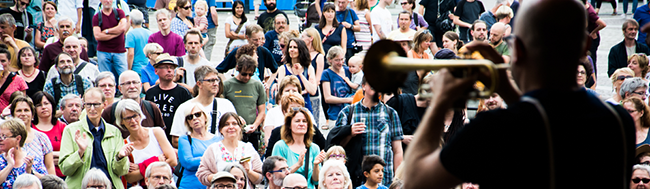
[(192, 116), (623, 77), (299, 108), (186, 7), (403, 3), (637, 180), (246, 74)]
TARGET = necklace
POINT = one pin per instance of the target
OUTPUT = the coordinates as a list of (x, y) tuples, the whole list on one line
[(28, 76)]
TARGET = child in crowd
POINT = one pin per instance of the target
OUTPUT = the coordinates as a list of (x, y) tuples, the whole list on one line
[(201, 19), (356, 65), (336, 152), (373, 170)]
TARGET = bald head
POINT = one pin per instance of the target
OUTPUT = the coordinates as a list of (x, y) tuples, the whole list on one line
[(294, 180), (496, 32), (72, 47)]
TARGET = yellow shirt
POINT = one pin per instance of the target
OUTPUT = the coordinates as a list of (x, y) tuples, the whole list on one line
[(14, 55)]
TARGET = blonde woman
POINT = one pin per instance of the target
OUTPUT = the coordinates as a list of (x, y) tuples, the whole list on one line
[(617, 79), (148, 73), (639, 64)]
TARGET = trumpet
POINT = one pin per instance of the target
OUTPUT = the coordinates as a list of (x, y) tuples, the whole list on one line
[(386, 68)]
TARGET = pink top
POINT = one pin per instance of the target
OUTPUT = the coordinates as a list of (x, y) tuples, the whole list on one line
[(198, 20), (54, 135), (18, 84)]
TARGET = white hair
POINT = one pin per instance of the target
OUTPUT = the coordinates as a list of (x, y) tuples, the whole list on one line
[(64, 18), (136, 17), (147, 173), (27, 180), (333, 163), (641, 167), (127, 104), (163, 11), (96, 175)]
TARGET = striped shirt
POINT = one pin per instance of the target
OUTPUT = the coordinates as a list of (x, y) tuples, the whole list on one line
[(364, 37)]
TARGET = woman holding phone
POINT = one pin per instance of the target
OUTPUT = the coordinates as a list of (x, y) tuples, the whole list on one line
[(231, 150)]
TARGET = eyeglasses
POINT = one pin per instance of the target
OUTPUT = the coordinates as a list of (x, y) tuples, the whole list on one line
[(640, 93), (338, 60), (285, 169), (337, 156), (223, 186), (133, 117), (192, 116), (159, 177), (96, 187), (106, 85), (295, 187), (637, 180), (299, 108), (4, 137), (582, 73), (631, 111), (129, 83), (211, 80), (246, 74), (645, 163), (92, 105), (403, 3), (623, 77), (186, 7), (157, 53)]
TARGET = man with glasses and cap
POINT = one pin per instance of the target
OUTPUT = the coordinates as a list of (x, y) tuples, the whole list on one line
[(248, 96), (167, 94), (223, 180), (619, 53)]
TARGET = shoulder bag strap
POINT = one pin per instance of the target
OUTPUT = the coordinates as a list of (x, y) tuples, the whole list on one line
[(549, 137), (214, 116), (56, 88), (148, 107), (79, 82), (307, 162), (81, 67), (239, 27), (7, 82), (181, 62)]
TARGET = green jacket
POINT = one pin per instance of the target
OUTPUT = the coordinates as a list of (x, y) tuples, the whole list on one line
[(75, 168)]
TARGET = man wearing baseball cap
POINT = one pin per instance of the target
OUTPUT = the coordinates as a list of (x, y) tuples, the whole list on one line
[(167, 94), (223, 180)]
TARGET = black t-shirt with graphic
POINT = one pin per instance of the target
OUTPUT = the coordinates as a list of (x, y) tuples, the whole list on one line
[(167, 101)]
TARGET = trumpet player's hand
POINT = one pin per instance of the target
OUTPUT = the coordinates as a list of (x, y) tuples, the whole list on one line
[(447, 89)]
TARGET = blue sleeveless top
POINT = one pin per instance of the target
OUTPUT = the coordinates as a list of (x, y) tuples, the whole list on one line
[(304, 96)]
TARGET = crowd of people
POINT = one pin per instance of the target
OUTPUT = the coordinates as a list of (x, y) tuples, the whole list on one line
[(123, 106)]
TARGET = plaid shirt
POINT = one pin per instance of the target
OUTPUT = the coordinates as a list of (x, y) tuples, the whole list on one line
[(382, 128), (66, 89)]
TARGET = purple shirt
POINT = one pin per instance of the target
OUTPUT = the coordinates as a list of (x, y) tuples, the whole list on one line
[(115, 45), (423, 23), (172, 43)]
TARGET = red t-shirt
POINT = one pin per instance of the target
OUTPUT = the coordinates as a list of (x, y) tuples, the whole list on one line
[(54, 135), (115, 45)]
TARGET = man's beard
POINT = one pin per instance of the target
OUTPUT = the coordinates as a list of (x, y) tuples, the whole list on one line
[(66, 71), (277, 182), (270, 6)]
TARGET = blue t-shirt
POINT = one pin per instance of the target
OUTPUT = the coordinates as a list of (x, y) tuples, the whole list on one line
[(351, 18), (338, 88), (137, 39), (190, 158), (378, 187), (148, 74), (272, 43)]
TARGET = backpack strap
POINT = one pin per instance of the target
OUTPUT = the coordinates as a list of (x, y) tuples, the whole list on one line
[(148, 107), (81, 67), (99, 17), (214, 116), (417, 21), (180, 61), (56, 87), (112, 116), (80, 84)]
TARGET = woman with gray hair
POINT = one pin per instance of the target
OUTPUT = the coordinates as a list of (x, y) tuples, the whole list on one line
[(240, 174), (337, 90), (334, 175), (27, 181), (148, 73), (106, 82), (150, 144), (640, 176), (95, 178), (617, 79), (634, 87)]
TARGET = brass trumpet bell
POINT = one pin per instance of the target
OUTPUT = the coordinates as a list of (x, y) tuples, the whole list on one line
[(386, 68)]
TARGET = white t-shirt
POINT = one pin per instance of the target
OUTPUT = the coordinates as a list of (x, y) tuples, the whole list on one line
[(89, 71), (190, 68), (233, 28), (381, 16), (275, 117), (178, 125), (69, 8)]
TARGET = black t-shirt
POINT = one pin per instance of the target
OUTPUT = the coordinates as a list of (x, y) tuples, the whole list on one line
[(36, 84), (140, 3), (167, 101), (509, 148), (412, 83), (267, 20), (19, 33), (469, 11), (430, 11), (409, 113)]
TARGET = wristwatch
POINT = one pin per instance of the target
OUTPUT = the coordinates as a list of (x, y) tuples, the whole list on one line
[(106, 31), (351, 27)]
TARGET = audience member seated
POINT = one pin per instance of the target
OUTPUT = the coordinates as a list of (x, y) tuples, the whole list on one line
[(10, 79), (297, 134), (106, 82), (37, 145), (295, 181), (71, 108), (53, 182), (241, 175), (373, 170), (28, 63), (81, 67), (642, 154), (14, 161), (27, 181), (223, 179), (46, 122), (255, 36), (334, 175), (617, 79), (148, 73), (275, 169), (272, 42), (150, 144), (65, 26), (157, 174), (640, 176), (95, 178), (336, 152), (585, 71), (634, 87), (638, 109), (67, 82), (230, 150), (13, 43), (193, 145)]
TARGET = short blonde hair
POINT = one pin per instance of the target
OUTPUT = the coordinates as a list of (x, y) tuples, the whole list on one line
[(17, 128), (334, 52), (619, 71), (188, 111), (503, 11), (642, 59), (151, 48), (202, 3), (335, 149)]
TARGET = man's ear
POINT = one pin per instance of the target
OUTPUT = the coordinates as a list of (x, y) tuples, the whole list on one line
[(520, 51)]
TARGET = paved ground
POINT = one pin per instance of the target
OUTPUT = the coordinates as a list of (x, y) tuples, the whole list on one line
[(610, 36)]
